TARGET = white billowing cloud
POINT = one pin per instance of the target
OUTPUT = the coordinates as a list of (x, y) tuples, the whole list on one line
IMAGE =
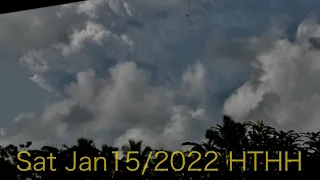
[(55, 64), (89, 7), (309, 28), (155, 70), (176, 130), (120, 106), (92, 33), (159, 34), (194, 81), (286, 90), (41, 82), (126, 99)]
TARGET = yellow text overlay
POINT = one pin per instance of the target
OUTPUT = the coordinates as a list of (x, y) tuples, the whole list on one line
[(163, 161)]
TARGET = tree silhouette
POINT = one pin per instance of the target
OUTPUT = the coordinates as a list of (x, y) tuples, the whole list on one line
[(220, 140)]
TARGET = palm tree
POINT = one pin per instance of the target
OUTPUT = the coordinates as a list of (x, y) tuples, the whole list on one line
[(135, 150), (260, 135), (230, 136)]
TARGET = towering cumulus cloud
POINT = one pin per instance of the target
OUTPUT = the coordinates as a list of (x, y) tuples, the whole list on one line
[(164, 71), (285, 91)]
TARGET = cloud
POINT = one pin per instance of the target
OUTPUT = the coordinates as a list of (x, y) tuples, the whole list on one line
[(285, 92), (158, 71), (104, 32), (175, 131), (122, 102)]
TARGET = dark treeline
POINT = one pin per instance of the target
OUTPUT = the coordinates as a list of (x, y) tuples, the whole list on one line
[(220, 140)]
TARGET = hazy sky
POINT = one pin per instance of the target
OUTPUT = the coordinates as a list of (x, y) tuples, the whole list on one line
[(159, 71)]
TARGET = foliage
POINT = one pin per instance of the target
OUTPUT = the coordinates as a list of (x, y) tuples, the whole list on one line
[(220, 140)]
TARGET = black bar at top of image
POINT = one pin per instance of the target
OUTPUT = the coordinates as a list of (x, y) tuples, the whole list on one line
[(14, 6)]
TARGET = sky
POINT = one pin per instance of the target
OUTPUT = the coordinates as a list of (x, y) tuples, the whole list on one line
[(158, 71)]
